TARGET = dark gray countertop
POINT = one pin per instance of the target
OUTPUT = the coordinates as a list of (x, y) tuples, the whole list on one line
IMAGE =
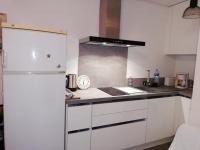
[(181, 92), (95, 96)]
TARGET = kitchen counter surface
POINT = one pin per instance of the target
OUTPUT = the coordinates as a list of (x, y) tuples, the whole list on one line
[(91, 93), (94, 95)]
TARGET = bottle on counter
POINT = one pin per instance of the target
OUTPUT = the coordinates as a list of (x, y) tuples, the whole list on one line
[(156, 81), (130, 81), (148, 82)]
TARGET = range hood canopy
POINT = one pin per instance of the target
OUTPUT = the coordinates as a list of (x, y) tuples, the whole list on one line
[(109, 27), (110, 42)]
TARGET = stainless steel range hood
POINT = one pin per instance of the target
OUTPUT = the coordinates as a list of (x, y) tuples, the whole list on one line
[(109, 27), (110, 42)]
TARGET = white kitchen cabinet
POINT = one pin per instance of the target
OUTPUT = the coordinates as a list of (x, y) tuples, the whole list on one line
[(160, 122), (182, 111), (79, 117), (119, 125), (118, 137), (118, 117), (183, 33), (78, 127), (110, 108), (79, 141)]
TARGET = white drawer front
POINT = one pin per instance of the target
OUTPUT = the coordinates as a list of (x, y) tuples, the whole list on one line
[(108, 108), (79, 117), (79, 141), (118, 117), (118, 137)]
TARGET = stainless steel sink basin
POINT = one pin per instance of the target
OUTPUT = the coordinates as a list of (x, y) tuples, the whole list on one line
[(159, 89)]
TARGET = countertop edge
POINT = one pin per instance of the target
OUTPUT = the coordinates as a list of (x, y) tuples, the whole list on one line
[(79, 102)]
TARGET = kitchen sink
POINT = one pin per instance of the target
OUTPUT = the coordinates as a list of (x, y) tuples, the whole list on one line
[(159, 89)]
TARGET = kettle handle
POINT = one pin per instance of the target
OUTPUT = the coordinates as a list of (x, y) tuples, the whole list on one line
[(67, 81)]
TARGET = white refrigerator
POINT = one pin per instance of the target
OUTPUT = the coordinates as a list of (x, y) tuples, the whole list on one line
[(33, 89)]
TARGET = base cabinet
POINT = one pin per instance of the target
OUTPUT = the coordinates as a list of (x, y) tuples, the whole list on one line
[(160, 122), (121, 125), (79, 117), (78, 127), (182, 111), (119, 137), (79, 141)]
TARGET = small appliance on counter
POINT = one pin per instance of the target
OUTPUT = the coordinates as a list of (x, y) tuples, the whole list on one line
[(170, 81), (71, 82), (156, 79), (182, 80)]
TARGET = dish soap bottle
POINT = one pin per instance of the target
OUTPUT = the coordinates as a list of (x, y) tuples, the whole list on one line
[(156, 78), (130, 81)]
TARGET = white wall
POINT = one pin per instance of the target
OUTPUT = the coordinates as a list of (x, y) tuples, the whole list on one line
[(79, 18), (185, 64), (147, 22), (194, 118), (140, 21)]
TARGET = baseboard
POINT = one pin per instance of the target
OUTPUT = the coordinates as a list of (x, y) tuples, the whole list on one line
[(151, 144)]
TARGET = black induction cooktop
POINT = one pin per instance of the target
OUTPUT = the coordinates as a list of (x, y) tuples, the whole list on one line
[(112, 91)]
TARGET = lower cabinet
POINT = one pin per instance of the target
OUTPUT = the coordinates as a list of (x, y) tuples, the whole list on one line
[(121, 125), (79, 141), (78, 127), (160, 122), (182, 111), (79, 117), (119, 137)]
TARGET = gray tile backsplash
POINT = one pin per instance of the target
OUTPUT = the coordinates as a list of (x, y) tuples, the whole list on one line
[(106, 66)]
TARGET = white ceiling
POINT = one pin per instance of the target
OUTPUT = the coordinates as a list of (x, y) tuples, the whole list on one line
[(166, 2)]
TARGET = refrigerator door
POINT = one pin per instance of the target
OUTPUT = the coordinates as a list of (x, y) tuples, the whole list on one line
[(26, 50), (34, 112)]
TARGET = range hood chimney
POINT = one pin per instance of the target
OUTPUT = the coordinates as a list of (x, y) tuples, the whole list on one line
[(109, 27), (109, 19)]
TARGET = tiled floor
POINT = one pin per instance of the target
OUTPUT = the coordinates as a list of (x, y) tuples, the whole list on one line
[(160, 147)]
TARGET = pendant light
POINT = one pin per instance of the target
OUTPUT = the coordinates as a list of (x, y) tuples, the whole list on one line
[(192, 12)]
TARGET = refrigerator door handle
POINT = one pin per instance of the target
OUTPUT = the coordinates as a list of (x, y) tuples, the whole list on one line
[(4, 58)]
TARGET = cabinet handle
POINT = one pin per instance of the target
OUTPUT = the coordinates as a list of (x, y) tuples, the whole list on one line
[(77, 131), (118, 124), (4, 58)]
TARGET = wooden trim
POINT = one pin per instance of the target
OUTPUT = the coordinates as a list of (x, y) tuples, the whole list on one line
[(3, 17), (33, 28)]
